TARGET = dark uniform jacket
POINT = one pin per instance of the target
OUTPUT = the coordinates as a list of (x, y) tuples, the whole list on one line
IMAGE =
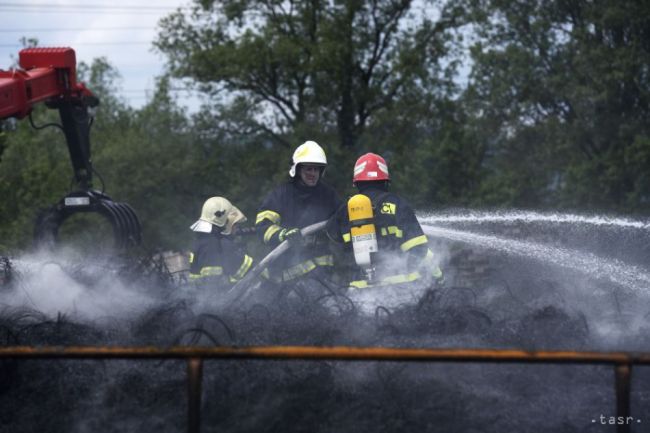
[(217, 259), (294, 205), (403, 246)]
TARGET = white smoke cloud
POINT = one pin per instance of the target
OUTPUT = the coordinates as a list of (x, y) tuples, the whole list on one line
[(59, 285)]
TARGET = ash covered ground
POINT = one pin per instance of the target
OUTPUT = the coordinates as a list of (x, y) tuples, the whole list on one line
[(524, 303)]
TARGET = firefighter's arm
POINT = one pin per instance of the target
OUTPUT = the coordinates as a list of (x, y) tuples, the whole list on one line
[(268, 224), (338, 227), (416, 244), (420, 257), (416, 251), (200, 268), (271, 232), (244, 266), (414, 241), (236, 263), (195, 269)]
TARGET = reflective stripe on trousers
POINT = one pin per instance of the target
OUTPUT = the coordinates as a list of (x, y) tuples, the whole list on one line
[(306, 267)]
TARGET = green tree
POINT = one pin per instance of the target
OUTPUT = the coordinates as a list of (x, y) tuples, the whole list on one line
[(561, 92), (35, 172), (302, 69), (148, 158)]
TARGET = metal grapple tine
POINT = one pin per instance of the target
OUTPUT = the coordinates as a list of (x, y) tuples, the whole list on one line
[(132, 222), (137, 228), (117, 220), (124, 222)]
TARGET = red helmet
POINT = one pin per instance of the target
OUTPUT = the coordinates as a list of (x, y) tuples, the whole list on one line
[(370, 167)]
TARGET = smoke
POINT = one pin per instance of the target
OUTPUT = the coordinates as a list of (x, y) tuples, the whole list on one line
[(84, 290), (550, 286)]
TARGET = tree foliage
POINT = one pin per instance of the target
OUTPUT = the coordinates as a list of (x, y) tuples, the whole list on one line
[(301, 67), (554, 113), (34, 169), (563, 90)]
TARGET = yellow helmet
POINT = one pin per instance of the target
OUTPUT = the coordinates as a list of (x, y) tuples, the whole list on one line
[(308, 152), (218, 211)]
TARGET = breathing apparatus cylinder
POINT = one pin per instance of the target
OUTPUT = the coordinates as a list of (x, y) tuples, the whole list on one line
[(362, 232)]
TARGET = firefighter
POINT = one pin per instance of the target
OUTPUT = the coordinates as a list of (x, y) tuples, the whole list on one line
[(387, 242), (216, 260), (304, 200)]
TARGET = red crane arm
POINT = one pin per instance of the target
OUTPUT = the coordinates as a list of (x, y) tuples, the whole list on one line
[(45, 73), (49, 75)]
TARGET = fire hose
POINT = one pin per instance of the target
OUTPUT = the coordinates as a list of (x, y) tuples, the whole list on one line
[(240, 290)]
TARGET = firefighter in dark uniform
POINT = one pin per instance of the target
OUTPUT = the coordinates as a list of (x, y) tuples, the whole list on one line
[(402, 253), (216, 260), (304, 200)]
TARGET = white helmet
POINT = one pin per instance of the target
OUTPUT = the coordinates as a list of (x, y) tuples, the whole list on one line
[(218, 211), (308, 152)]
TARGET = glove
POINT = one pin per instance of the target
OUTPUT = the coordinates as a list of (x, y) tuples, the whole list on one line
[(292, 235)]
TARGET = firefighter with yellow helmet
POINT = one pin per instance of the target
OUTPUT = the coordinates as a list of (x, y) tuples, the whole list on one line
[(381, 231), (302, 201), (216, 260)]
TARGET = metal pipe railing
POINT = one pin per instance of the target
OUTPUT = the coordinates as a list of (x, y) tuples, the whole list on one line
[(194, 378), (194, 355)]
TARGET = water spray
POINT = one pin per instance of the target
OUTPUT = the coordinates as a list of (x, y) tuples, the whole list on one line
[(473, 217), (603, 268)]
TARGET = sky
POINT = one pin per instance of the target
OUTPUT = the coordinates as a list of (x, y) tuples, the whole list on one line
[(122, 31)]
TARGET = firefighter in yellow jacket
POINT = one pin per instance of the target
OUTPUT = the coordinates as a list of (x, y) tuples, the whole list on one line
[(381, 231), (216, 260)]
